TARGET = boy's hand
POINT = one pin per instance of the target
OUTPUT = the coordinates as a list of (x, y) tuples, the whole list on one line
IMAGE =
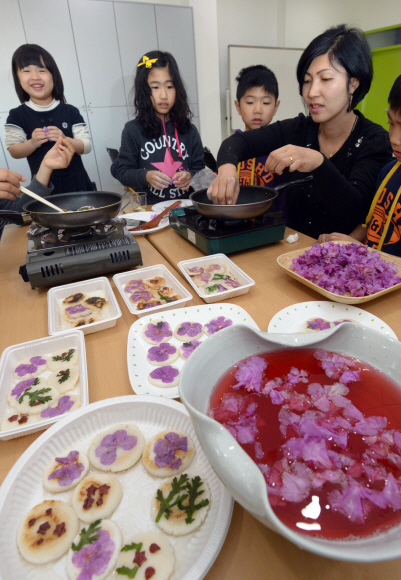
[(38, 138), (60, 155), (295, 158), (9, 184), (54, 133), (335, 237), (182, 179), (224, 189), (157, 179)]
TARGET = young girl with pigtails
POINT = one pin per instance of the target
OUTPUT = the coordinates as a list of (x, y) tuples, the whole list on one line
[(160, 149)]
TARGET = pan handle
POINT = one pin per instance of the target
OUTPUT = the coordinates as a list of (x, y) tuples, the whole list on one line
[(290, 183), (15, 217)]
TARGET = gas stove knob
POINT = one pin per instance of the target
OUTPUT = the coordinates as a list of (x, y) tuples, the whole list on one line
[(24, 273)]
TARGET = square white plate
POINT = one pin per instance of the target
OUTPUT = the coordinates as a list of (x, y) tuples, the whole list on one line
[(12, 355), (23, 488), (86, 286), (245, 281), (139, 367), (121, 280)]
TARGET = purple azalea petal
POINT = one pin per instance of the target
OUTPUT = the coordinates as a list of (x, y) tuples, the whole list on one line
[(159, 331), (107, 450), (161, 352), (218, 324), (64, 404), (26, 369), (94, 559), (188, 347), (250, 374), (21, 387), (165, 450), (166, 374), (69, 471), (38, 361), (190, 328)]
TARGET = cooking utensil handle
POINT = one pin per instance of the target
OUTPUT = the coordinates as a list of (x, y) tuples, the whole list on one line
[(155, 221), (296, 182), (13, 216), (41, 199)]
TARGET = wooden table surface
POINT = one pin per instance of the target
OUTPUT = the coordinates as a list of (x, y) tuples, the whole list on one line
[(251, 551)]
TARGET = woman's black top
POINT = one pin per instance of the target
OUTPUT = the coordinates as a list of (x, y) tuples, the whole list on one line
[(339, 197)]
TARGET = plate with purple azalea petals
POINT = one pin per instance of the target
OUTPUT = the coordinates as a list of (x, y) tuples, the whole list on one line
[(329, 280), (320, 315), (23, 487), (217, 316)]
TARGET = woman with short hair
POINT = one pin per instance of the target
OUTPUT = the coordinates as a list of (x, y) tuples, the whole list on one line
[(338, 146)]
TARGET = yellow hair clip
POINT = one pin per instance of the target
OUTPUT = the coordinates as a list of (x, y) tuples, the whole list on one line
[(147, 62)]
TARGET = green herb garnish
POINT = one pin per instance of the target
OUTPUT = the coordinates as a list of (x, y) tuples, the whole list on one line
[(65, 376), (187, 344), (220, 277), (166, 298), (35, 396), (87, 537), (133, 546), (67, 357), (211, 289), (167, 503), (193, 493), (130, 572), (159, 324)]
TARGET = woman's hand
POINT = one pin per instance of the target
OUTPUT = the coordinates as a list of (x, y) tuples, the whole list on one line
[(38, 138), (335, 237), (295, 158), (224, 189), (9, 184), (60, 155), (54, 133), (157, 179), (182, 179)]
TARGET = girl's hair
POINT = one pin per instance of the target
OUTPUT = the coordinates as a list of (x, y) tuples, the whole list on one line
[(32, 54), (344, 46), (144, 112), (394, 98)]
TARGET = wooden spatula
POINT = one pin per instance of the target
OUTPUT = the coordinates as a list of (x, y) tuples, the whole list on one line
[(155, 221)]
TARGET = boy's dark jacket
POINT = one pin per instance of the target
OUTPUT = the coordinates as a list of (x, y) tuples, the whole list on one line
[(140, 154)]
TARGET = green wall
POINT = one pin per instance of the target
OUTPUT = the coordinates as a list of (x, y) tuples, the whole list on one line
[(386, 68)]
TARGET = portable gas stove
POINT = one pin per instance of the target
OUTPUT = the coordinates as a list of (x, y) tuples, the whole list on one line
[(227, 236), (58, 256)]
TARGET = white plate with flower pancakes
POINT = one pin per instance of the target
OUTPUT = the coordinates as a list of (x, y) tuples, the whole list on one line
[(23, 488)]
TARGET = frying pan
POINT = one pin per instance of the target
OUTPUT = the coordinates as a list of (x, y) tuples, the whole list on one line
[(107, 205), (252, 201)]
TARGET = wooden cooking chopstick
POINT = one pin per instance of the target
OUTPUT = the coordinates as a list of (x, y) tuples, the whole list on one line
[(41, 199)]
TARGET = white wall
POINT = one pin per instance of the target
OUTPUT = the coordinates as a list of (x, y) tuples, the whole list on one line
[(253, 23), (306, 19)]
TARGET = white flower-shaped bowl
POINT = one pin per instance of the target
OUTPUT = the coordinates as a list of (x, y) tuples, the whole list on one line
[(235, 468)]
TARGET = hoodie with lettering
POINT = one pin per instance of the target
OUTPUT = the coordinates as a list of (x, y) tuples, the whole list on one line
[(139, 154)]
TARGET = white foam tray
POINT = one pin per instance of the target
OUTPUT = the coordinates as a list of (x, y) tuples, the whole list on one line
[(60, 292), (12, 355), (121, 280), (245, 281), (23, 488)]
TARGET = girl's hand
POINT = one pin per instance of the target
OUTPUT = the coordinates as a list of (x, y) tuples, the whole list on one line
[(157, 179), (182, 179), (9, 184), (295, 158), (335, 237), (54, 133), (38, 138), (224, 189), (60, 155)]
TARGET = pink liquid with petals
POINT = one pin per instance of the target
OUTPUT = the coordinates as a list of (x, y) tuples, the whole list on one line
[(374, 395)]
